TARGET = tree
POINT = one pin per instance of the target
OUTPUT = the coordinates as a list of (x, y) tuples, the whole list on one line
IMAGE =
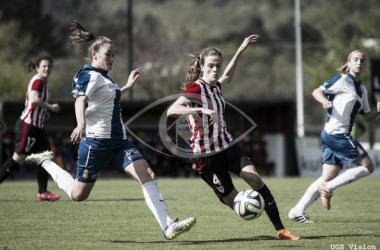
[(32, 20)]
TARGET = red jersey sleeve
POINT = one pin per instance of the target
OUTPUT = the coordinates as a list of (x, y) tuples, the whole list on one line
[(37, 85), (193, 91)]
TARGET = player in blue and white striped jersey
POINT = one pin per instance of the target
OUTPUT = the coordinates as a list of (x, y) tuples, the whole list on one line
[(101, 134), (344, 96), (103, 112)]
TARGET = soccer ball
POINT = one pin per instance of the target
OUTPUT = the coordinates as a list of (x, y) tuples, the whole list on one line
[(249, 204)]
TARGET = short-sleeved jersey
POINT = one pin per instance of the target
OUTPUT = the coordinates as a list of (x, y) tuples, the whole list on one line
[(103, 111), (32, 114), (349, 97), (206, 137)]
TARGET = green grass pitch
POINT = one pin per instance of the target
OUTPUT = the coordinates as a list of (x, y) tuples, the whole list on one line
[(116, 217)]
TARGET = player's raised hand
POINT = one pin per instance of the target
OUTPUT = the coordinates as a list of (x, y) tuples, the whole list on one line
[(133, 77), (251, 39)]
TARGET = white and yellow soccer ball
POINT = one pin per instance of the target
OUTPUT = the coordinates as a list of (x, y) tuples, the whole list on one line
[(249, 204)]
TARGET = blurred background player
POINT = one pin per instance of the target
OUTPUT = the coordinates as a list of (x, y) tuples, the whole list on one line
[(102, 136), (29, 129), (344, 96), (203, 104)]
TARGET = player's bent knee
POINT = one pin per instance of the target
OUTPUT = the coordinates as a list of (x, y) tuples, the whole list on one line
[(79, 198), (367, 163), (371, 169)]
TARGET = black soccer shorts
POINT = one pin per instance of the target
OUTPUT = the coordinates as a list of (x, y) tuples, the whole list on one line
[(214, 169)]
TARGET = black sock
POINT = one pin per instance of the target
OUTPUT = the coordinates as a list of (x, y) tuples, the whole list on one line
[(271, 208), (42, 179), (8, 168)]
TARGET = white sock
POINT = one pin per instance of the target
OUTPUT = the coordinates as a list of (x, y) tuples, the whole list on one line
[(61, 177), (309, 197), (347, 177), (156, 203)]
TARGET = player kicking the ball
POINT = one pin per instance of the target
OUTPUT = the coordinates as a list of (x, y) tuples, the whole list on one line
[(203, 103), (101, 134)]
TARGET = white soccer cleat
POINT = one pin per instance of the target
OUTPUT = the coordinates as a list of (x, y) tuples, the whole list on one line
[(299, 216), (178, 227), (37, 159)]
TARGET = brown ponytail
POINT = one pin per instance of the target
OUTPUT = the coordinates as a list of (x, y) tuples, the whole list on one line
[(79, 35), (193, 71)]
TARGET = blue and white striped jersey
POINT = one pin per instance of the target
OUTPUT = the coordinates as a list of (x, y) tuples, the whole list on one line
[(103, 111), (349, 97)]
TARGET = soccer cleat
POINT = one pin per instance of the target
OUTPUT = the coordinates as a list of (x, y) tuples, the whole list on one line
[(47, 196), (326, 195), (178, 227), (299, 217), (284, 234), (37, 159)]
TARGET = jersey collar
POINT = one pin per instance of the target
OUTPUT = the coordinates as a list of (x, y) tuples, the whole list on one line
[(89, 67), (213, 86), (353, 78)]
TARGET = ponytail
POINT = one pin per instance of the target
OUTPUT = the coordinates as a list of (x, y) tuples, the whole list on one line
[(193, 71), (79, 35), (30, 65)]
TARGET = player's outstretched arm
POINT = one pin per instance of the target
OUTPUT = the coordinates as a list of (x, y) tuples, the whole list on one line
[(36, 100), (230, 69), (180, 107), (372, 114)]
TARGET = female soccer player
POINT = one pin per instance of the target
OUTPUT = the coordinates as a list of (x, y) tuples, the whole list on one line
[(29, 129), (203, 104), (101, 134), (344, 96)]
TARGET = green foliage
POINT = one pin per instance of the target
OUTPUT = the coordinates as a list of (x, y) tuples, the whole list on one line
[(116, 217), (166, 31), (34, 22), (13, 80)]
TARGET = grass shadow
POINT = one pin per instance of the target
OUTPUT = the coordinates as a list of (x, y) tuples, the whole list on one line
[(199, 242)]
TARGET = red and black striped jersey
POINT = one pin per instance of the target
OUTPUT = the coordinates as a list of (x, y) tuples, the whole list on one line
[(33, 114), (207, 137)]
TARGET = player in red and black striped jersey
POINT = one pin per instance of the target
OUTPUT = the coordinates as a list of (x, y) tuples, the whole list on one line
[(207, 136), (203, 104), (29, 129)]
